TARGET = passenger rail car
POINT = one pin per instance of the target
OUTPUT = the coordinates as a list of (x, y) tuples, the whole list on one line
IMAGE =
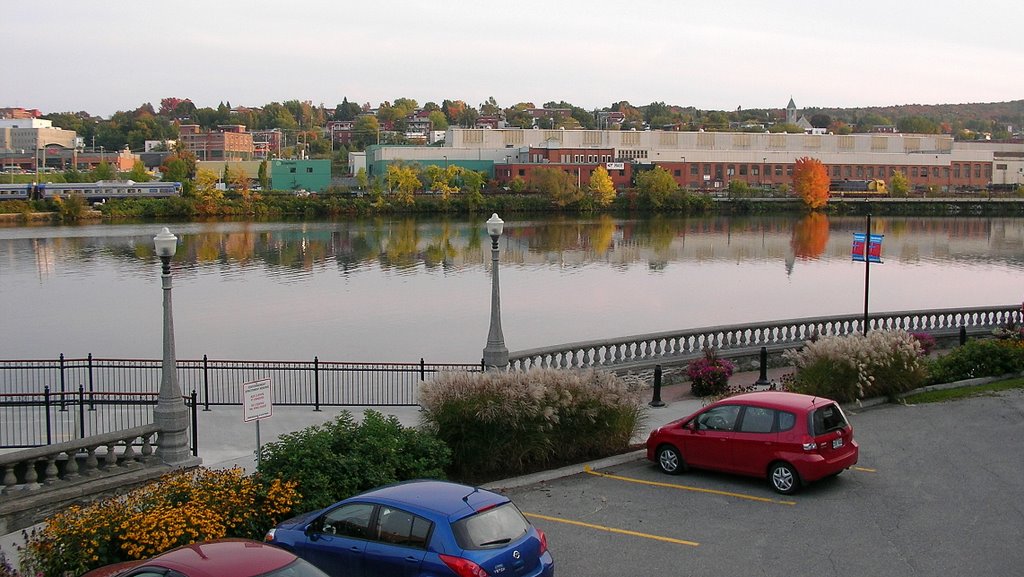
[(91, 191), (15, 191), (105, 190), (875, 187)]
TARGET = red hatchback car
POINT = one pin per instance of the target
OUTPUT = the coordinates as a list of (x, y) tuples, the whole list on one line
[(788, 438)]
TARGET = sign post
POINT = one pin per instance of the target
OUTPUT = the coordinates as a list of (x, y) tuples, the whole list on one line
[(867, 247), (257, 404)]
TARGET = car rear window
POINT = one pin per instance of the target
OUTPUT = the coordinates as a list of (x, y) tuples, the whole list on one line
[(827, 418), (491, 528)]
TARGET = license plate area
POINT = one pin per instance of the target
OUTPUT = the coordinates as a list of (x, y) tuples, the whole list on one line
[(837, 443)]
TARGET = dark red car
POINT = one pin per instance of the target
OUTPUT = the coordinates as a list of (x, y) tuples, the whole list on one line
[(788, 438), (220, 558)]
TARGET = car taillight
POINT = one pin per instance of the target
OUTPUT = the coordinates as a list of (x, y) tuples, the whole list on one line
[(463, 567), (810, 445), (269, 536), (543, 542)]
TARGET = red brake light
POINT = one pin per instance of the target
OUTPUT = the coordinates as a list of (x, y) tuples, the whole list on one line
[(543, 542), (463, 567)]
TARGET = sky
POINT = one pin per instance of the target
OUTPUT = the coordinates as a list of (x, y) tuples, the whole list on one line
[(103, 56)]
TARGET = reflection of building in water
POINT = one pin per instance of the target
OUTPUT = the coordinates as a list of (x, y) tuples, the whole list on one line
[(45, 259)]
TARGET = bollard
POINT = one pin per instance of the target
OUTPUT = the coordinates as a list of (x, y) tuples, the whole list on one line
[(762, 379), (963, 336), (656, 401)]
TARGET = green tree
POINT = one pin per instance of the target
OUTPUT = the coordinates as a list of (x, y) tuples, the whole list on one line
[(366, 131), (263, 175), (138, 173), (811, 182), (438, 120), (899, 185), (361, 179), (917, 125), (655, 186), (103, 171), (557, 185), (601, 187)]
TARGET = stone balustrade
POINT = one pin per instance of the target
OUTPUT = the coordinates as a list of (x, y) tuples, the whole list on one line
[(675, 347), (73, 461)]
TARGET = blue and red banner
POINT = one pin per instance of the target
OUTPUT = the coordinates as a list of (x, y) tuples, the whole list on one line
[(874, 247)]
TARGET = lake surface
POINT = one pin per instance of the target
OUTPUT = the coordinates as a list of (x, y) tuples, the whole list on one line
[(398, 289)]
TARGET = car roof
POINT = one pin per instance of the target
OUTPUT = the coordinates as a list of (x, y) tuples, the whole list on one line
[(441, 498), (219, 558), (778, 400)]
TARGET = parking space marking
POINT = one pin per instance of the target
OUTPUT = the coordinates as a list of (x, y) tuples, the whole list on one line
[(864, 469), (587, 469), (614, 530)]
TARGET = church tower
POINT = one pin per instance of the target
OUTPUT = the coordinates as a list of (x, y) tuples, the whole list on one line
[(791, 111)]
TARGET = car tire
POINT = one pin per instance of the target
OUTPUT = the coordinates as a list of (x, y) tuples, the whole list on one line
[(783, 478), (670, 461)]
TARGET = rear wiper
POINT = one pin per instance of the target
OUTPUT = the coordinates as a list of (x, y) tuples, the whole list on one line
[(497, 542)]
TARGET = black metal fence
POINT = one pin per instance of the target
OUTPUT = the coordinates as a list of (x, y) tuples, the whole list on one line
[(34, 419), (49, 401)]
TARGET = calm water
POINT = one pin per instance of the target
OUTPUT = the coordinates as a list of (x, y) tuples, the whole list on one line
[(401, 289)]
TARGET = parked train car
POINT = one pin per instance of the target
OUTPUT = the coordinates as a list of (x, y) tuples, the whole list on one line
[(106, 190), (874, 187), (15, 191)]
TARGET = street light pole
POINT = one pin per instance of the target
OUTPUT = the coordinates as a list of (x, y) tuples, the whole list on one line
[(495, 353), (170, 414)]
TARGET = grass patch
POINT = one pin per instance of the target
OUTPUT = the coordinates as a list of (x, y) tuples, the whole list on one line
[(965, 392)]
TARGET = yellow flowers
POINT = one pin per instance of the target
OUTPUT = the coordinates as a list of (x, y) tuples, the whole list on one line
[(177, 509)]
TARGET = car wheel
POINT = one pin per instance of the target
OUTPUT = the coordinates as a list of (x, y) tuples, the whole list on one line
[(784, 478), (670, 461)]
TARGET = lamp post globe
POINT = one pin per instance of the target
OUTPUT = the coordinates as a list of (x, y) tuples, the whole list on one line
[(170, 415), (495, 353)]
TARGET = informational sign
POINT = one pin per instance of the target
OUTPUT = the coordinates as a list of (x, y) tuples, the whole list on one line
[(257, 401), (874, 247), (615, 165)]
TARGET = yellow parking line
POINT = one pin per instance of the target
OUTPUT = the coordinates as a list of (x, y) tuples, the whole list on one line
[(864, 469), (614, 530), (587, 469)]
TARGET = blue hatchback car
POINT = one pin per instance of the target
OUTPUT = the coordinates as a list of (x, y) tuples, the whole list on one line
[(419, 528)]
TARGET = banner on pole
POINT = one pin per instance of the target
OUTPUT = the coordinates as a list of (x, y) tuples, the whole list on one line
[(874, 247)]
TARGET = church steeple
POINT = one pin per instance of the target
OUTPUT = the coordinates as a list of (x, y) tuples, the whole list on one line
[(791, 111)]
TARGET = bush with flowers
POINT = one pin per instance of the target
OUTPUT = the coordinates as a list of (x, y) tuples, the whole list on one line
[(709, 375), (856, 366), (177, 509), (926, 341)]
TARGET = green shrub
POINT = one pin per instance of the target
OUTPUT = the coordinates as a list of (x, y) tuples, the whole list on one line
[(507, 423), (846, 368), (978, 358), (339, 459)]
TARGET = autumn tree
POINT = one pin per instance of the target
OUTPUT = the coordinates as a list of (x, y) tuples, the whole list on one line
[(403, 182), (601, 187), (810, 181)]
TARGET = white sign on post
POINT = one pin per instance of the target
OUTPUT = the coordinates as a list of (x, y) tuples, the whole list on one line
[(257, 401)]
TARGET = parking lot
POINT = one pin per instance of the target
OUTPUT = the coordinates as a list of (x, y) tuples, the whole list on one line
[(938, 491)]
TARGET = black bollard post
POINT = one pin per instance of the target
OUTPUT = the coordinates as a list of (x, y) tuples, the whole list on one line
[(762, 379), (963, 336), (656, 401)]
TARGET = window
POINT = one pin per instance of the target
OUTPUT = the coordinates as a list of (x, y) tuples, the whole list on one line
[(677, 172), (292, 170), (349, 520), (743, 170), (786, 421), (730, 170), (826, 419), (956, 171), (757, 420), (694, 170), (492, 528), (309, 169), (398, 527), (778, 170), (721, 418)]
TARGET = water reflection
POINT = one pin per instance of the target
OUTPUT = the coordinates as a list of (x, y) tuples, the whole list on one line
[(401, 288)]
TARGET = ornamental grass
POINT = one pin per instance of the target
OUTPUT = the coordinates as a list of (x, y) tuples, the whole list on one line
[(177, 509), (851, 367), (501, 424)]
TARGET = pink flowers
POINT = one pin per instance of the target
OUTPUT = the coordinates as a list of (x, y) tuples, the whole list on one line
[(709, 375)]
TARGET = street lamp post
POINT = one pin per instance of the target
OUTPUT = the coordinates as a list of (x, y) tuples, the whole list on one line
[(170, 414), (495, 353)]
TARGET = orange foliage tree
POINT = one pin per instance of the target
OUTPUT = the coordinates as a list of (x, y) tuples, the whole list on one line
[(810, 181)]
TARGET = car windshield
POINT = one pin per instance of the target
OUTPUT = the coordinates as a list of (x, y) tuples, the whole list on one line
[(827, 418), (491, 528), (297, 568)]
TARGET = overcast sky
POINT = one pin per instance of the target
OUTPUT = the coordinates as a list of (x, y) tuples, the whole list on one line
[(102, 56)]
